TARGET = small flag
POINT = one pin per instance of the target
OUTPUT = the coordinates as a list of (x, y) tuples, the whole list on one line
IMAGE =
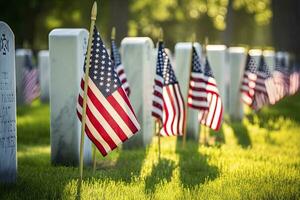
[(110, 119), (280, 78), (30, 81), (168, 105), (294, 80), (115, 56), (214, 115), (248, 82), (260, 91), (197, 96)]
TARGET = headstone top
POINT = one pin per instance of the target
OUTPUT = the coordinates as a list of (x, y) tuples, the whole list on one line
[(67, 32), (134, 40), (218, 47), (237, 50), (268, 53), (255, 52)]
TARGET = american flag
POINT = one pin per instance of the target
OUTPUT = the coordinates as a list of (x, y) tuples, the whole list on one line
[(214, 115), (294, 80), (110, 119), (115, 56), (30, 81), (261, 97), (197, 96), (248, 82), (280, 77), (168, 105)]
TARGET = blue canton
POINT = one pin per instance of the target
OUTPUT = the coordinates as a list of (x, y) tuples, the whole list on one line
[(115, 55), (164, 67), (102, 71), (196, 65), (207, 69)]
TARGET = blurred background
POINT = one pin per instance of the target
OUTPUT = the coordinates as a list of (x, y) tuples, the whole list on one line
[(253, 23)]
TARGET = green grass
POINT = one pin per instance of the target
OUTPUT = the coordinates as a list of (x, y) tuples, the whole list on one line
[(259, 159)]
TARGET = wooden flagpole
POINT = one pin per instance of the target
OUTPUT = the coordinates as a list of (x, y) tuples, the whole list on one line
[(206, 129), (187, 94), (157, 122), (86, 79)]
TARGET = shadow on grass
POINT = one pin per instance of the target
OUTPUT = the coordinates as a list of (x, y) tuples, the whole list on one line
[(194, 167), (161, 172), (241, 133), (126, 168), (287, 108)]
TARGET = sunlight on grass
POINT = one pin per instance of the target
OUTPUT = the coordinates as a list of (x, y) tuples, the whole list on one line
[(260, 159)]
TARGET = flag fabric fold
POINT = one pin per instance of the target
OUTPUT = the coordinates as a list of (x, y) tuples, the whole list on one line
[(248, 82), (116, 58), (110, 119), (30, 81), (168, 105), (261, 96), (213, 116)]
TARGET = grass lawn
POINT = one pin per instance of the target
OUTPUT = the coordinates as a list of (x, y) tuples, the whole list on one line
[(260, 159)]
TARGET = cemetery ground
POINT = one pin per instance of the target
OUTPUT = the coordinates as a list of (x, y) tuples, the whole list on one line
[(259, 159)]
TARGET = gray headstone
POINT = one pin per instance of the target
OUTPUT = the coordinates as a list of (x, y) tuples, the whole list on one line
[(217, 56), (269, 56), (67, 48), (20, 67), (139, 63), (8, 132), (183, 58), (237, 61), (44, 76)]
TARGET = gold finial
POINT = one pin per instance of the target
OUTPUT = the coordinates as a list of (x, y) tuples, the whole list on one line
[(113, 33), (94, 11), (161, 35), (194, 38), (205, 44)]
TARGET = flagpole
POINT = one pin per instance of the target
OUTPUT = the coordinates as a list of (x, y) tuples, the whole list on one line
[(206, 129), (157, 122), (86, 79), (186, 105)]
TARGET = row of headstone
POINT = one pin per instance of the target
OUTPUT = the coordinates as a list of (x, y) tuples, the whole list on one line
[(139, 60)]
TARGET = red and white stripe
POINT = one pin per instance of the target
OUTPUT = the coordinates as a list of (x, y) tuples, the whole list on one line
[(247, 89), (158, 99), (31, 85), (109, 120), (280, 80), (173, 111), (212, 117), (122, 76), (260, 95), (197, 96)]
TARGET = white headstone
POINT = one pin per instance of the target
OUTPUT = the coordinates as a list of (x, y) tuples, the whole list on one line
[(217, 56), (138, 60), (44, 70), (237, 62), (269, 56), (8, 132), (20, 67), (67, 48), (183, 56)]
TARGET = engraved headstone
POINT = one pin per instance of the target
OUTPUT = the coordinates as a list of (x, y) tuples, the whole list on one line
[(139, 63), (269, 56), (67, 48), (44, 76), (8, 132), (217, 56), (21, 55), (183, 58), (237, 61)]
